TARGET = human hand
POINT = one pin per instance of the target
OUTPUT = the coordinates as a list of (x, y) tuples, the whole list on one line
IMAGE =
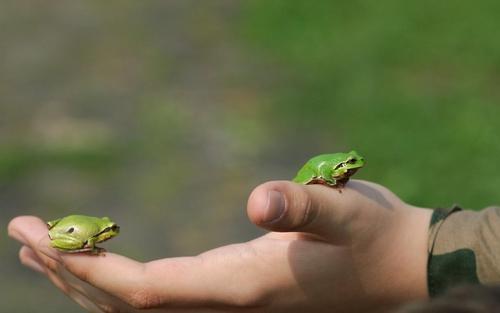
[(355, 251)]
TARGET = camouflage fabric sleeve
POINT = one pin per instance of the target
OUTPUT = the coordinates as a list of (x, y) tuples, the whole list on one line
[(464, 247)]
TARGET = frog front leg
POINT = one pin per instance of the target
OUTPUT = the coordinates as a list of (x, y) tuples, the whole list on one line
[(326, 177), (91, 246)]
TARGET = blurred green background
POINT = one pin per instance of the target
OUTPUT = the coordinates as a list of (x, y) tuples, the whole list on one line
[(166, 114)]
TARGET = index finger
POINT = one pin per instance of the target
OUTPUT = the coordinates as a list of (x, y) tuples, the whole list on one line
[(127, 279), (107, 271)]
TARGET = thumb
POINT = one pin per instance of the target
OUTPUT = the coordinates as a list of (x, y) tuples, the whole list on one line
[(285, 206)]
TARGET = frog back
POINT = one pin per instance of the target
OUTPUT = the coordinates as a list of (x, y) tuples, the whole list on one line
[(77, 225), (313, 168)]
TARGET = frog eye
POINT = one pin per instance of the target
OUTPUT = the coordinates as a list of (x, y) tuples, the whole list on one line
[(115, 227), (70, 230), (352, 161)]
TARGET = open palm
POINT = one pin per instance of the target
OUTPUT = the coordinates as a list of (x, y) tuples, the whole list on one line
[(334, 251)]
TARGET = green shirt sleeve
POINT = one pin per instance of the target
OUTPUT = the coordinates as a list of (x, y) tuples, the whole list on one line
[(464, 247)]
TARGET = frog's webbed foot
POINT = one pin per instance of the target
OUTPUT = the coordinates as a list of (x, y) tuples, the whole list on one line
[(340, 184), (92, 248), (337, 186), (97, 250)]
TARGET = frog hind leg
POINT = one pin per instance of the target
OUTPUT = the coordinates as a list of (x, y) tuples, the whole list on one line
[(88, 246), (75, 250), (336, 184), (319, 180), (66, 244)]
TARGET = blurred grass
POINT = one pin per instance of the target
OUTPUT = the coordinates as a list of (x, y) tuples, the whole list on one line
[(18, 161), (413, 86)]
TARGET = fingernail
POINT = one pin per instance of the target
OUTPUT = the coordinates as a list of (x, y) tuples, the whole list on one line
[(275, 206)]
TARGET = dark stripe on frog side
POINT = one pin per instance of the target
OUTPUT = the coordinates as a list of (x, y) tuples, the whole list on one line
[(347, 174), (102, 231), (105, 230), (339, 182)]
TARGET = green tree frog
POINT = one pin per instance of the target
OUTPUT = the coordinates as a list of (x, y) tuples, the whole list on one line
[(332, 170), (80, 233)]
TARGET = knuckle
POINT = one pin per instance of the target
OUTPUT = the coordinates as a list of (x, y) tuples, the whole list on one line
[(308, 213), (306, 210), (314, 207)]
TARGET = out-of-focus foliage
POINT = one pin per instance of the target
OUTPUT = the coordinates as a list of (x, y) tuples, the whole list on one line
[(412, 85), (165, 114)]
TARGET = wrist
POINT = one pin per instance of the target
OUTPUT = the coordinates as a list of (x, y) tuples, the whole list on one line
[(414, 270), (400, 273)]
